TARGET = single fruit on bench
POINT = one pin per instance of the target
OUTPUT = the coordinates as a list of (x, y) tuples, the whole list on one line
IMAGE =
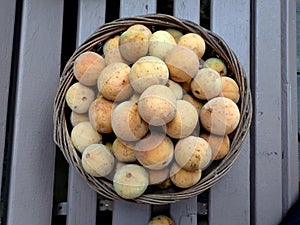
[(183, 63), (133, 44), (148, 71), (83, 135), (193, 153), (217, 65), (161, 220), (97, 160), (127, 123), (206, 84), (155, 151), (130, 181), (194, 42), (100, 114), (87, 67), (113, 82), (184, 122), (183, 178), (220, 116), (157, 105), (79, 97)]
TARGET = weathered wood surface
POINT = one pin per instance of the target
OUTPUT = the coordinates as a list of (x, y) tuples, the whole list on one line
[(230, 198), (289, 106), (33, 149), (91, 14), (262, 184), (7, 19)]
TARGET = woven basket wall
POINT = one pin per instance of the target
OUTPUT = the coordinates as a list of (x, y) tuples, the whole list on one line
[(215, 45)]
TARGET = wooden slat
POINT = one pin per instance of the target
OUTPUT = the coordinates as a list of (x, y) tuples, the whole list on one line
[(289, 106), (189, 10), (135, 8), (230, 198), (91, 14), (268, 118), (33, 150), (126, 213), (184, 212), (7, 19)]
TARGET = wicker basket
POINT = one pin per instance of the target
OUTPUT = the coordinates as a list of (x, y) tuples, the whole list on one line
[(156, 21)]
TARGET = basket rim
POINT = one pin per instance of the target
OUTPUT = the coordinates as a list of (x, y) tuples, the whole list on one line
[(101, 185)]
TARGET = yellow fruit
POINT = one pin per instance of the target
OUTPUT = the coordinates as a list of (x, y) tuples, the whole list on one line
[(97, 160), (87, 67), (83, 135), (79, 97), (220, 116), (157, 105), (130, 181), (193, 153), (194, 42), (182, 63), (161, 220)]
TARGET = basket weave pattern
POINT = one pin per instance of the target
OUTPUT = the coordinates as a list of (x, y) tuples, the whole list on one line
[(156, 21)]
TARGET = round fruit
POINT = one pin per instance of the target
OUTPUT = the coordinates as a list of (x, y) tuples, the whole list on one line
[(176, 89), (79, 97), (127, 123), (220, 116), (158, 176), (217, 65), (142, 28), (111, 51), (193, 153), (155, 151), (122, 152), (183, 63), (113, 82), (194, 42), (160, 43), (184, 122), (100, 115), (206, 84), (87, 67), (183, 178), (130, 181), (161, 220), (76, 118), (83, 135), (157, 105), (97, 160), (148, 71), (219, 145), (230, 89), (195, 102), (175, 33), (133, 44)]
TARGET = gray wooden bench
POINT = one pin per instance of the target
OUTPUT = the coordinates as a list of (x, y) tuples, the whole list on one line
[(261, 186)]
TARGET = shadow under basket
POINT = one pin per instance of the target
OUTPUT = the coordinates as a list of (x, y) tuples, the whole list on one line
[(215, 47)]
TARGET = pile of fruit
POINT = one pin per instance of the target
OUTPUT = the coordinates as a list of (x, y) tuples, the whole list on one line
[(150, 110)]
